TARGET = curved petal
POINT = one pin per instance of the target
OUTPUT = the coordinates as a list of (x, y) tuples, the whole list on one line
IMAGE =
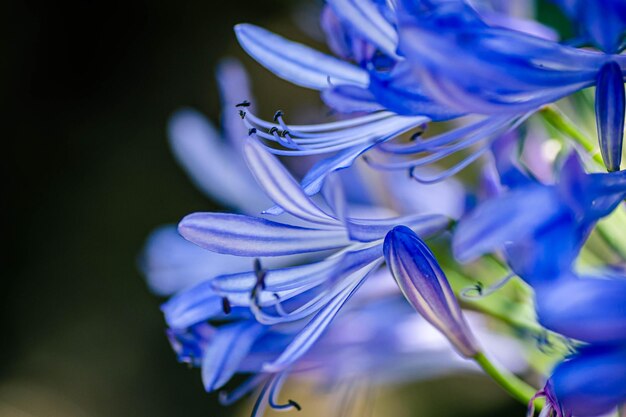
[(587, 309), (365, 18), (213, 166), (280, 186), (234, 88), (592, 383), (509, 217), (230, 345), (297, 63), (192, 306)]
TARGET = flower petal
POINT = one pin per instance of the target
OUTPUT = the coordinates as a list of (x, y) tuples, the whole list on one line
[(297, 63), (587, 309), (280, 186), (592, 383), (511, 216), (171, 263), (230, 345), (425, 225), (365, 18), (213, 166), (241, 235)]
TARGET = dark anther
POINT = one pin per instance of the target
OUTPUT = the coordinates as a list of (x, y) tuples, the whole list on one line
[(285, 133), (244, 103), (479, 288), (411, 172), (273, 130), (420, 132), (295, 405), (242, 114), (276, 296), (226, 305), (278, 114), (260, 274), (251, 131)]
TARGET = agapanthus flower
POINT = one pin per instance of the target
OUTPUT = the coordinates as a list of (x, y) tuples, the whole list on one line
[(505, 71), (291, 285), (374, 77), (540, 244), (592, 310), (377, 338)]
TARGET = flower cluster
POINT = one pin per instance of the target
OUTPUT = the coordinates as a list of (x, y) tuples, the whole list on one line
[(357, 273)]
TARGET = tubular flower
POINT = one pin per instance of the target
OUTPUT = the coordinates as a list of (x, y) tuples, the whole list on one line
[(506, 71), (381, 83), (290, 285), (540, 245), (356, 243)]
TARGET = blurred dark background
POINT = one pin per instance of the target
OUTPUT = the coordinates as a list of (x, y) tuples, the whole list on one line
[(89, 87)]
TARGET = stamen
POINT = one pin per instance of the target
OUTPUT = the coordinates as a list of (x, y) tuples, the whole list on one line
[(244, 103), (276, 385), (451, 171), (260, 274), (419, 133), (226, 307), (482, 292), (331, 137)]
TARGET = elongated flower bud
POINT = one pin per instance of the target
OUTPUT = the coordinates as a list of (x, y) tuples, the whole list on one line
[(610, 114), (426, 287)]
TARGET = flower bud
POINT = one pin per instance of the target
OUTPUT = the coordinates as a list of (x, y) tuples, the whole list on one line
[(426, 287)]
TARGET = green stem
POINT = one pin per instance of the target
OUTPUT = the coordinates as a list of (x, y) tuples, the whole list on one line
[(511, 383), (560, 121)]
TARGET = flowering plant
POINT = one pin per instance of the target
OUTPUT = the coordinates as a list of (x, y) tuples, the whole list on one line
[(315, 278)]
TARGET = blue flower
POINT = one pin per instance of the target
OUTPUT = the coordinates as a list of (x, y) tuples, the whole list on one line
[(375, 339), (591, 310), (541, 244), (381, 84), (505, 71), (356, 245), (600, 22)]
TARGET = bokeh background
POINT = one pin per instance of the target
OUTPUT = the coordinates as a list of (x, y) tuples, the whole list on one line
[(89, 87)]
